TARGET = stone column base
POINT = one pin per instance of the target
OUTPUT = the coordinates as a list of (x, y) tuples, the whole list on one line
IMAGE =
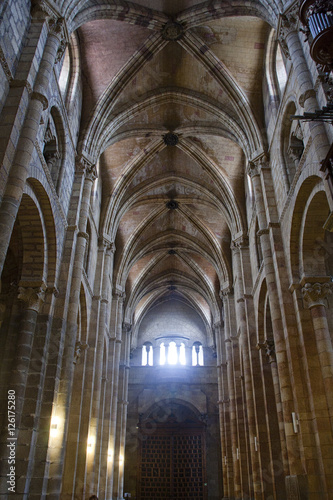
[(297, 487)]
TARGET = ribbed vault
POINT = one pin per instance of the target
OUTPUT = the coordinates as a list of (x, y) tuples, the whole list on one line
[(172, 111)]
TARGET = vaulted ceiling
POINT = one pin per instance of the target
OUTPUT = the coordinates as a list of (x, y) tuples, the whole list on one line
[(173, 113)]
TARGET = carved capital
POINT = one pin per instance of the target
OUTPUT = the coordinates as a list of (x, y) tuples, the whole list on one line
[(91, 173), (288, 23), (84, 235), (240, 242), (257, 164), (225, 292), (16, 83), (41, 10), (106, 245), (127, 327), (41, 98), (53, 290), (85, 167), (307, 95), (315, 293), (119, 295), (261, 232), (79, 349), (33, 297), (269, 348)]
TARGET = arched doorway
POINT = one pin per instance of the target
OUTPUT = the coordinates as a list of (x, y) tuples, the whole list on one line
[(172, 454)]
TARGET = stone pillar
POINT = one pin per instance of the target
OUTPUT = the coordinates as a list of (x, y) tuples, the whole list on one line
[(233, 466), (122, 411), (156, 355), (19, 170), (288, 31), (188, 355), (222, 402), (269, 357), (85, 176), (283, 333), (106, 417), (32, 298), (113, 369), (238, 247), (315, 292)]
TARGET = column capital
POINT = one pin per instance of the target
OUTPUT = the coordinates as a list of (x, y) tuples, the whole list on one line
[(269, 347), (85, 167), (78, 350), (257, 163), (119, 295), (315, 293), (41, 9), (127, 327), (288, 23), (240, 242), (33, 296), (225, 292), (106, 244)]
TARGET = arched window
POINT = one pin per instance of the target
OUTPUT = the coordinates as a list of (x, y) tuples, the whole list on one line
[(172, 353), (54, 146), (258, 245), (197, 354), (65, 74), (280, 70), (87, 250), (147, 354), (292, 142)]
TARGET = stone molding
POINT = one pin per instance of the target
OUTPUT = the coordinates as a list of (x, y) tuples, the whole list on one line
[(5, 66)]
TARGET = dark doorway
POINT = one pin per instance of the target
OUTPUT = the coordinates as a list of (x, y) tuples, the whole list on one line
[(172, 455)]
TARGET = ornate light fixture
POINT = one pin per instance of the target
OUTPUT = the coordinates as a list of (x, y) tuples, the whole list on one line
[(317, 17)]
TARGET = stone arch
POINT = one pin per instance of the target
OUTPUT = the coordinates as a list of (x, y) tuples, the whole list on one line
[(163, 404), (55, 146), (315, 241), (309, 242), (292, 145)]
